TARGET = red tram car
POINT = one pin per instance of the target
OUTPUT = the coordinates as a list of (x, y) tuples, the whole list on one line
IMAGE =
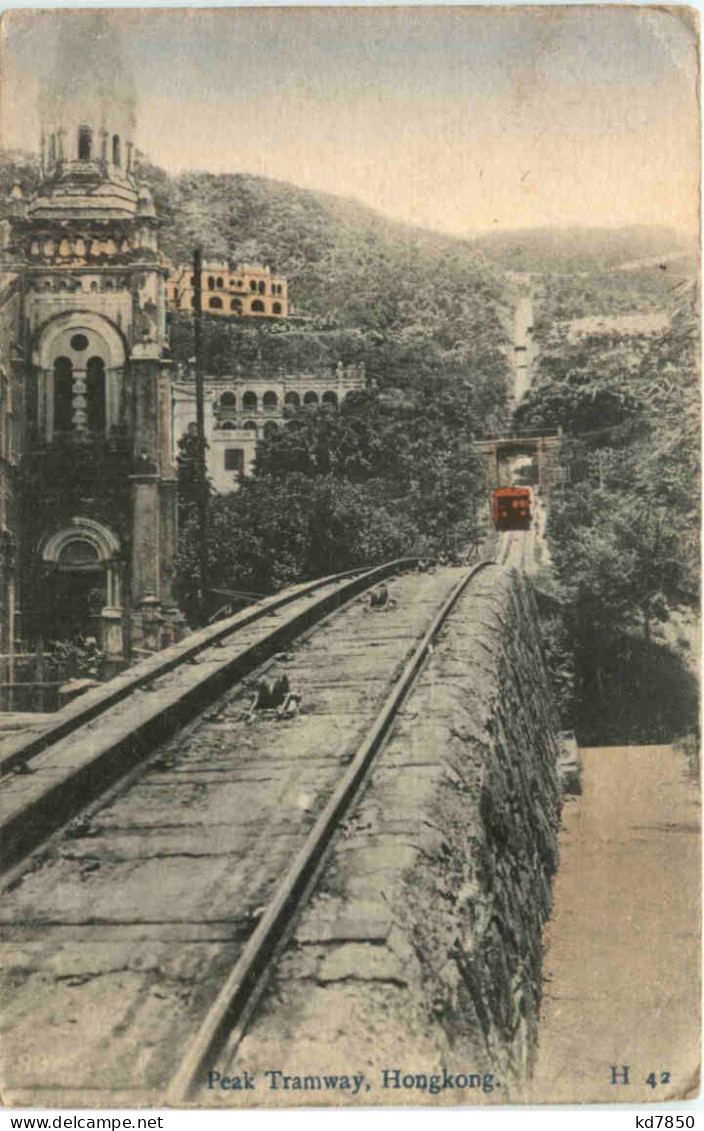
[(511, 509)]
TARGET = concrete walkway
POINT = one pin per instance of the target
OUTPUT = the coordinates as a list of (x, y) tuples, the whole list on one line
[(623, 953)]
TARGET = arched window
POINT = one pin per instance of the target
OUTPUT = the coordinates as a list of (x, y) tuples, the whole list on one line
[(330, 398), (252, 284), (95, 394), (249, 402), (292, 399), (116, 154), (79, 552), (270, 400), (250, 426), (211, 283), (85, 143), (236, 305), (310, 398), (220, 283), (215, 303), (258, 306), (228, 426), (228, 400), (276, 308), (63, 389), (270, 429), (262, 287)]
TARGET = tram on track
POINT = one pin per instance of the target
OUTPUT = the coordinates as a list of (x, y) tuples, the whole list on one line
[(511, 508)]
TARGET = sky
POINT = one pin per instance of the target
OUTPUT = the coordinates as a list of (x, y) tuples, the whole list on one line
[(463, 119)]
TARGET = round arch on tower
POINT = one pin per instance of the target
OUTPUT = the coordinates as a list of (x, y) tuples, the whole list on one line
[(63, 336), (99, 540), (79, 366), (84, 577)]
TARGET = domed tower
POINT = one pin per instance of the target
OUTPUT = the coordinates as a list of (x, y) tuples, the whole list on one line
[(99, 483), (87, 114)]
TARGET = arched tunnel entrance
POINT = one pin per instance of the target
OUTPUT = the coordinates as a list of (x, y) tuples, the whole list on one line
[(541, 451)]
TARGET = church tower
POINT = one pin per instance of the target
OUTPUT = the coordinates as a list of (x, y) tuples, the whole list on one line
[(98, 486)]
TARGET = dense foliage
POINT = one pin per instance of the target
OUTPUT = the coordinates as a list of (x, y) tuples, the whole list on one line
[(409, 304), (378, 478), (392, 470), (623, 530), (342, 260)]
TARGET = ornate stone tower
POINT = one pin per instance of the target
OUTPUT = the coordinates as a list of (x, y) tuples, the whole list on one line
[(97, 480)]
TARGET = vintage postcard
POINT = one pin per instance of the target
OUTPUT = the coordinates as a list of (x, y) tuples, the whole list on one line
[(349, 556)]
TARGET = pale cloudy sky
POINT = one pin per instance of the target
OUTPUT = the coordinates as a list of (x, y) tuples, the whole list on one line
[(459, 118)]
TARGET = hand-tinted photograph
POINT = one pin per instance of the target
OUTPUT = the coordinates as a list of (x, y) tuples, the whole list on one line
[(349, 556)]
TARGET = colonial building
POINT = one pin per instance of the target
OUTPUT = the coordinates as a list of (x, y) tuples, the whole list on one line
[(239, 291), (241, 410), (97, 481)]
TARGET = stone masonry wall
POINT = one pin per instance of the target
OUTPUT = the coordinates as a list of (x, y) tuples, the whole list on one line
[(422, 947)]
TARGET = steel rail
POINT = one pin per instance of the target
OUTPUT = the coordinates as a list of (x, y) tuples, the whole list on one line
[(42, 809), (229, 1015), (506, 550), (94, 703)]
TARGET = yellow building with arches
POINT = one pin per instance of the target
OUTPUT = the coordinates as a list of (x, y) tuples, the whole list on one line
[(240, 291)]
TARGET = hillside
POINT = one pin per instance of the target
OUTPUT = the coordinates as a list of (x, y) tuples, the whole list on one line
[(412, 304), (340, 257), (583, 249), (403, 300)]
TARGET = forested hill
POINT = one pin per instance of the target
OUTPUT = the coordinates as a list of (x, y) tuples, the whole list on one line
[(575, 250), (341, 258), (405, 301)]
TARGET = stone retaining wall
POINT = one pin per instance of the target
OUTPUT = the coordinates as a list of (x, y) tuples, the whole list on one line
[(422, 950)]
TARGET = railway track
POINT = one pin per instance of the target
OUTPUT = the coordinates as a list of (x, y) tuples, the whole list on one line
[(90, 706), (44, 777), (505, 547), (517, 549), (139, 937)]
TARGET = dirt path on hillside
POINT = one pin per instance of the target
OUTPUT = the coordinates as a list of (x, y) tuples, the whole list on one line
[(622, 964)]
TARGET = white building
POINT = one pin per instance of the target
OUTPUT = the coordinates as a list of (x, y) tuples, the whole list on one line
[(241, 410)]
